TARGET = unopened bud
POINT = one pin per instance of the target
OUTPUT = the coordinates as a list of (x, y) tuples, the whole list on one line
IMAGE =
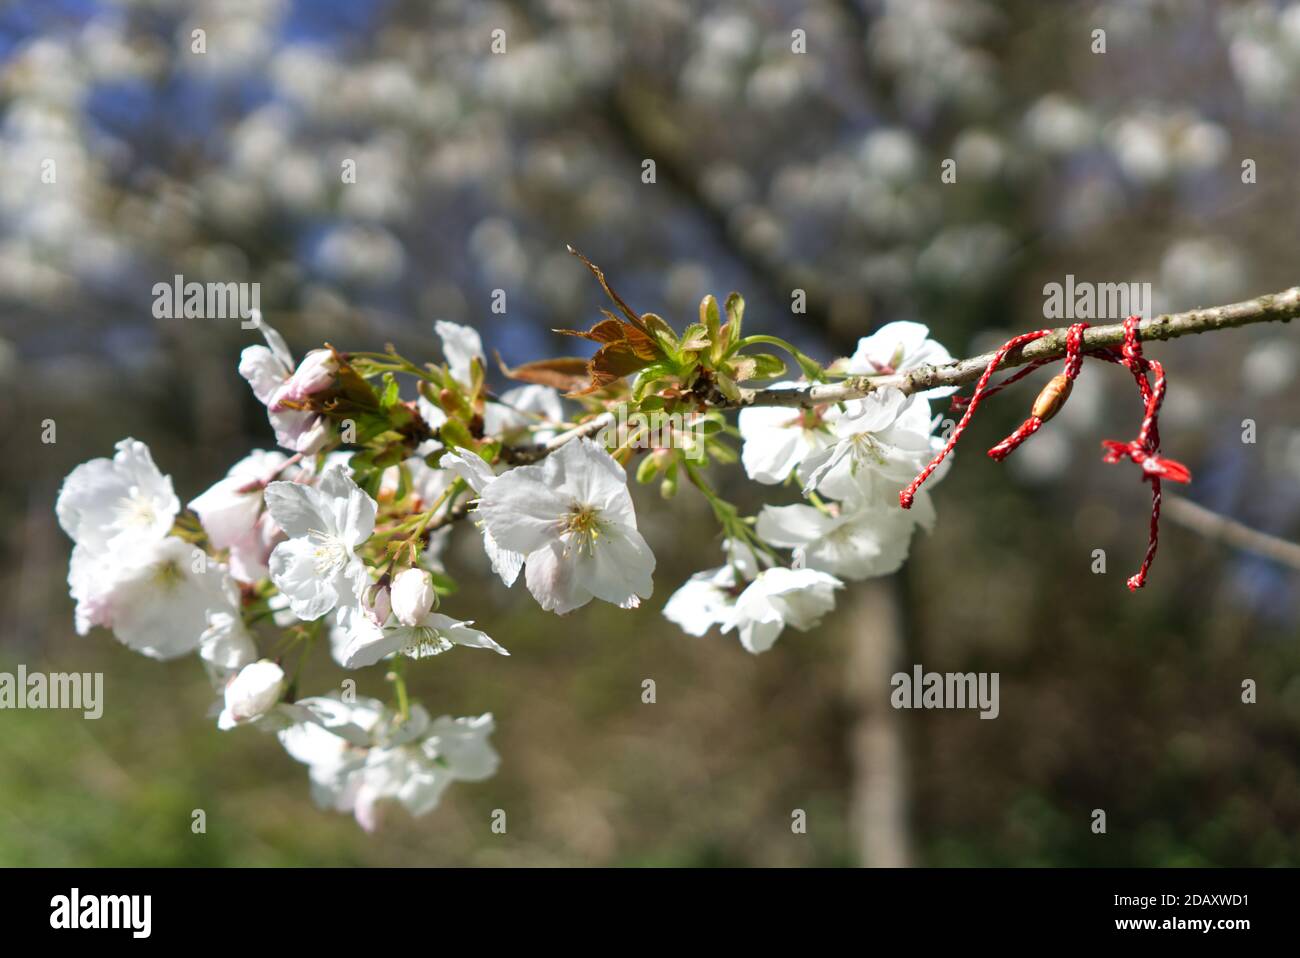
[(412, 596), (314, 374), (252, 693), (376, 603)]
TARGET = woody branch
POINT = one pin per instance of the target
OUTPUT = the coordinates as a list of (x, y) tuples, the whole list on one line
[(1273, 308)]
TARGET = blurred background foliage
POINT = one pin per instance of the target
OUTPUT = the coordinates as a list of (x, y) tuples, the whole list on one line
[(775, 171)]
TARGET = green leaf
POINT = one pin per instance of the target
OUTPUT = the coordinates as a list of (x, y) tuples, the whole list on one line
[(711, 321), (696, 337), (443, 584), (662, 332), (735, 307), (370, 426), (392, 393), (727, 386), (651, 379), (454, 434), (767, 365), (648, 469), (809, 366)]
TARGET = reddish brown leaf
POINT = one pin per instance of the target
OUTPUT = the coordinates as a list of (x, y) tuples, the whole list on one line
[(566, 373)]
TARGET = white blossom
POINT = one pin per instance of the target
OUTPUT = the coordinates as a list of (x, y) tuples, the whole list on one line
[(779, 597), (159, 605), (362, 642), (706, 599), (268, 370), (885, 434), (858, 539), (758, 610), (155, 591), (526, 412), (899, 348), (117, 505), (412, 596), (461, 345), (478, 476), (777, 440), (232, 514), (225, 646), (572, 517), (317, 568), (361, 755), (314, 374)]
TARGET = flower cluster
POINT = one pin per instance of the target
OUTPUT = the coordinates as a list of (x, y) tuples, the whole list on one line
[(336, 538), (849, 461)]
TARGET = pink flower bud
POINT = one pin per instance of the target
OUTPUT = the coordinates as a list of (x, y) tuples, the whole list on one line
[(314, 374), (377, 604)]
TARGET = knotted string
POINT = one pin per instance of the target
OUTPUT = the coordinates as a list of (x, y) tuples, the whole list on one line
[(1144, 450)]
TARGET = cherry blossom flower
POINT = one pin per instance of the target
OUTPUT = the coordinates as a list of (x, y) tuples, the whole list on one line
[(361, 642), (572, 517), (317, 568), (758, 610), (777, 440), (478, 476), (360, 755), (412, 596), (268, 370), (160, 603), (899, 348), (127, 573), (885, 434), (252, 693), (117, 505), (316, 373), (706, 599), (526, 412), (233, 516), (781, 597), (225, 646), (858, 539), (461, 345)]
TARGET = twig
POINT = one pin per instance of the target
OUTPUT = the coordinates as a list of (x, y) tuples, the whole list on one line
[(521, 455), (1273, 308), (1218, 528)]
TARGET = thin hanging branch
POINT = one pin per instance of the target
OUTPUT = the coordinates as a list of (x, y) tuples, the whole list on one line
[(1218, 528)]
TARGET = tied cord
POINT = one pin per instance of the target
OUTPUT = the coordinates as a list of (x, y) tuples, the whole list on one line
[(1149, 375)]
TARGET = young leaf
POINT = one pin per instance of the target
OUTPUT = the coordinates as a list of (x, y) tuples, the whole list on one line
[(735, 307), (567, 373), (710, 319), (695, 337)]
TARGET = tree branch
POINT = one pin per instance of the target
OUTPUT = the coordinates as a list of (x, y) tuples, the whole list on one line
[(1273, 308), (1230, 532)]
